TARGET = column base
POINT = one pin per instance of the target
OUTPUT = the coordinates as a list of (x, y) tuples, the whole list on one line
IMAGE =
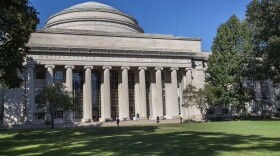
[(101, 119), (176, 117), (143, 118), (155, 118), (108, 120), (87, 120), (125, 119), (168, 117)]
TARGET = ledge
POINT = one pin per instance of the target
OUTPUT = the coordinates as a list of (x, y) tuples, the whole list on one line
[(113, 52), (114, 34)]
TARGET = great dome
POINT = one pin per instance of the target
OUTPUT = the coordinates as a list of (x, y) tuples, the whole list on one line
[(93, 16)]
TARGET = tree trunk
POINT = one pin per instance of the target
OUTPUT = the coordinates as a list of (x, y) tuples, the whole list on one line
[(2, 94), (52, 119), (188, 112), (202, 114)]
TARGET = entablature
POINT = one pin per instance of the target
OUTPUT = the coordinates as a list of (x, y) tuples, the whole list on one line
[(99, 51)]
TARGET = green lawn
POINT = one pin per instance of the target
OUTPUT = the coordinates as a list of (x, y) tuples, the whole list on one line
[(215, 138)]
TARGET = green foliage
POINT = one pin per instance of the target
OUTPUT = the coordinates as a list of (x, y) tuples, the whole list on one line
[(231, 50), (17, 21), (55, 98), (200, 98), (264, 18)]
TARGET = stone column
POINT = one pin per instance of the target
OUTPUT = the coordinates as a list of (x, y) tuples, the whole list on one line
[(49, 78), (198, 75), (152, 95), (69, 73), (169, 95), (174, 84), (68, 116), (157, 99), (188, 77), (119, 92), (30, 93), (105, 94), (142, 93), (136, 92), (87, 95), (124, 106), (182, 84), (198, 82)]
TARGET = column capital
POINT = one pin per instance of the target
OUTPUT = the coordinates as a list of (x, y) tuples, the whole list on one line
[(158, 68), (188, 68), (107, 67), (69, 66), (174, 68), (139, 68), (30, 66), (86, 67), (49, 66), (125, 67)]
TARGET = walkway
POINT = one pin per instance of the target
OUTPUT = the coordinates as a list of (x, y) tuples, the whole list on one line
[(96, 124)]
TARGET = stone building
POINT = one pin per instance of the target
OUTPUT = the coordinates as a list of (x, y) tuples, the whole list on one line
[(110, 65)]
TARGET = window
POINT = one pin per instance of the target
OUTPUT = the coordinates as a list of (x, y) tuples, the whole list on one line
[(225, 111), (40, 75), (39, 115), (210, 111), (38, 101), (58, 114), (58, 75), (278, 98)]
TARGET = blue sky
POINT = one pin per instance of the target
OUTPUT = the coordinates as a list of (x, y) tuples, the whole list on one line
[(190, 18)]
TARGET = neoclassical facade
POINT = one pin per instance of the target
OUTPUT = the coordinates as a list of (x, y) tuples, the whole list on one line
[(112, 67)]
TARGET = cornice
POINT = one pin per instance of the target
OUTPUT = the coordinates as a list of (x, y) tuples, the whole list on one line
[(112, 52), (113, 34)]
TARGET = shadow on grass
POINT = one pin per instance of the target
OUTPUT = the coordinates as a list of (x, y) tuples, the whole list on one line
[(138, 140)]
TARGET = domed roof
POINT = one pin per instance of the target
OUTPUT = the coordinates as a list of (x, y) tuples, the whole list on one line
[(93, 16), (92, 5)]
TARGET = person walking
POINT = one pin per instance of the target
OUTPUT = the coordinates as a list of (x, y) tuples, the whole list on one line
[(138, 116), (157, 119), (181, 119), (118, 122)]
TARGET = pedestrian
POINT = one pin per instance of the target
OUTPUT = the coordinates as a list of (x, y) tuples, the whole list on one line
[(138, 116), (181, 119), (118, 122), (157, 119)]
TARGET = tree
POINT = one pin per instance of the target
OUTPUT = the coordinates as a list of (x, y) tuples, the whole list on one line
[(55, 98), (264, 18), (231, 51), (200, 98), (2, 96), (17, 21)]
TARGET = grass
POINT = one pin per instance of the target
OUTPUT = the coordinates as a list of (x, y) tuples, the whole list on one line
[(215, 138)]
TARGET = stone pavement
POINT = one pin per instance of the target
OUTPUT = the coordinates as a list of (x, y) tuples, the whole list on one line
[(96, 124)]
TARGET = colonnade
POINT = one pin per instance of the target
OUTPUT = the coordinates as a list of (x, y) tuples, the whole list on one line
[(156, 88)]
